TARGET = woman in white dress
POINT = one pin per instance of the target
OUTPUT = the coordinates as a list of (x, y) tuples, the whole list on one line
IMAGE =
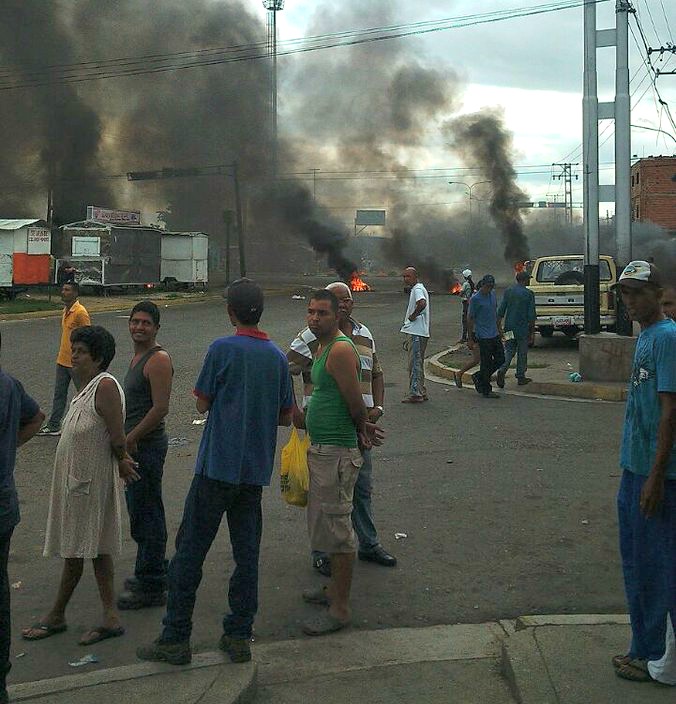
[(90, 466)]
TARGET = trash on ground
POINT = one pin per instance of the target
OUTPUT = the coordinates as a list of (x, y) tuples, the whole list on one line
[(449, 461), (17, 585), (20, 655), (539, 469), (575, 377), (298, 298), (585, 522), (400, 536), (84, 660), (199, 421), (178, 442)]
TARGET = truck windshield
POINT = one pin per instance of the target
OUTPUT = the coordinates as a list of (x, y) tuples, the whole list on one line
[(568, 271)]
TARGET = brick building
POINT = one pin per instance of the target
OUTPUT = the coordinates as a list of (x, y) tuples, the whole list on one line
[(653, 191)]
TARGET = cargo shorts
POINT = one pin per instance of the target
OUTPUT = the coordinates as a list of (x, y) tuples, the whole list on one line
[(333, 474)]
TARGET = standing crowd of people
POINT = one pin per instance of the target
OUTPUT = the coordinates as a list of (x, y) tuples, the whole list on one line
[(114, 435)]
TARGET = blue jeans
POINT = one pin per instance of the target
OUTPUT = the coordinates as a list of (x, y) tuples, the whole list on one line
[(207, 501), (5, 620), (648, 548), (146, 517), (61, 383), (416, 346), (362, 511), (519, 347)]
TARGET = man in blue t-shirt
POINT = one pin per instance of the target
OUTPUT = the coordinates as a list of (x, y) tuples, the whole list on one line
[(20, 420), (484, 327), (517, 307), (647, 495), (246, 387)]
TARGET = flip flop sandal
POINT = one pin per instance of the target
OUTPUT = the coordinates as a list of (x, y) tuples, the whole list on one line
[(635, 670), (323, 624), (102, 633), (316, 596), (45, 630), (620, 660)]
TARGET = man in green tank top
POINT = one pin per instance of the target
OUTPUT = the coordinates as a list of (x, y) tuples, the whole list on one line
[(337, 421)]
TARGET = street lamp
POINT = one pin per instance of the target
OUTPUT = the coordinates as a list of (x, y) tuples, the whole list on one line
[(469, 187)]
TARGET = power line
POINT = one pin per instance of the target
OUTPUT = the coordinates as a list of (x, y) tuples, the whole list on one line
[(66, 74)]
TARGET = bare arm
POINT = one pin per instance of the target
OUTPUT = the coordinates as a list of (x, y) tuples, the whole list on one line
[(419, 308), (108, 405), (159, 373), (343, 365), (653, 489), (378, 387), (31, 428)]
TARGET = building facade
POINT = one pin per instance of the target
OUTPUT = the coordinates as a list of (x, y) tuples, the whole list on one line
[(653, 191)]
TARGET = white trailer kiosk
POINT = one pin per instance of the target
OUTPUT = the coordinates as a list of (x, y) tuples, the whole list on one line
[(25, 259), (185, 258)]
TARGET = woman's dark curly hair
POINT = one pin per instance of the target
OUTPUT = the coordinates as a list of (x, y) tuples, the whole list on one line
[(99, 342)]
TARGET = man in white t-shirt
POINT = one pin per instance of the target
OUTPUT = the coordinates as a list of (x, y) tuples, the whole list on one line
[(417, 327)]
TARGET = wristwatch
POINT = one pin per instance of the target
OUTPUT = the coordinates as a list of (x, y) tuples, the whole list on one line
[(381, 409)]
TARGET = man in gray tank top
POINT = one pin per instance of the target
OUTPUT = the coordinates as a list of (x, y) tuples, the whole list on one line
[(147, 389)]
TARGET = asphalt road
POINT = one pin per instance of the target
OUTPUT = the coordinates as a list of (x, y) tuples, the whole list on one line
[(508, 506)]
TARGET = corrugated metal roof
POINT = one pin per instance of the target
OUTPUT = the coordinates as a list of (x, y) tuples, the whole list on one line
[(17, 224), (95, 224)]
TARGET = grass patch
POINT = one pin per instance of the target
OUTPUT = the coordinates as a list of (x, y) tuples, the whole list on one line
[(457, 360), (22, 305)]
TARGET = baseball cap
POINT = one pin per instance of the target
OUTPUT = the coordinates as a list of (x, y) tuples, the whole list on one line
[(467, 273), (489, 279), (637, 274)]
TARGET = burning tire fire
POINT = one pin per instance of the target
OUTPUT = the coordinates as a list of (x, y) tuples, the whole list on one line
[(356, 283)]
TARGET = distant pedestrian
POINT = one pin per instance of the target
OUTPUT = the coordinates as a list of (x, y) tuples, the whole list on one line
[(84, 520), (147, 390), (517, 308), (74, 316), (245, 386), (647, 495), (466, 292), (475, 359), (301, 356), (20, 420), (66, 273), (416, 327), (485, 327), (337, 422)]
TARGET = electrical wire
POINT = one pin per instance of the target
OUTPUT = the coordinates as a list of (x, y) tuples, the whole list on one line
[(66, 74)]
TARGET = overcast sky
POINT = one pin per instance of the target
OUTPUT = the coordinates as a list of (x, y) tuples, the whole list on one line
[(531, 67)]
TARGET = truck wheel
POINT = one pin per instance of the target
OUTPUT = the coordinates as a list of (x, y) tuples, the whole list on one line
[(571, 331), (546, 331)]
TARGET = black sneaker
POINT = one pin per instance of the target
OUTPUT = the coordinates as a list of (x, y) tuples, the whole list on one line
[(173, 653), (322, 565), (238, 649), (500, 378), (131, 584), (130, 600)]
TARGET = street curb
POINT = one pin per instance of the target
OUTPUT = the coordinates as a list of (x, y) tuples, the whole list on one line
[(125, 305), (584, 390), (237, 686)]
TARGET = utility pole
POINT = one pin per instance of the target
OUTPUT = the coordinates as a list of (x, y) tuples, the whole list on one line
[(314, 184), (590, 159), (273, 7), (567, 176), (240, 222), (228, 217)]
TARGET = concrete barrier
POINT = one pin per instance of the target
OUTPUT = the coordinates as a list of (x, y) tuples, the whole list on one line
[(606, 357)]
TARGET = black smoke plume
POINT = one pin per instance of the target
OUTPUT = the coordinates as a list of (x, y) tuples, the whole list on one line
[(482, 140)]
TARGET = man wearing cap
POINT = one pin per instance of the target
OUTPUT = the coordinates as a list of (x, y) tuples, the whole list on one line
[(301, 355), (245, 386), (517, 308), (485, 327), (647, 496), (466, 292)]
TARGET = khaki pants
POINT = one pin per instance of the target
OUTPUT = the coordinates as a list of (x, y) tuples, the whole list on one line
[(416, 346)]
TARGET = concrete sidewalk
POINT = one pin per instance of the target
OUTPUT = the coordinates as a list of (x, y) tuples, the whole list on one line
[(530, 660), (549, 364)]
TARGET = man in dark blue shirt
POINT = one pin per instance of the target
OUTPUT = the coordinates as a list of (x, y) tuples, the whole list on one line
[(20, 420), (517, 307), (485, 328), (246, 387)]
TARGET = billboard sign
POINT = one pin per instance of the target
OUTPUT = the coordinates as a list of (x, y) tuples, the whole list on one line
[(370, 217), (121, 217), (39, 240)]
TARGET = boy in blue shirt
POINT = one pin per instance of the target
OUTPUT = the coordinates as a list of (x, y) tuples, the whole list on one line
[(647, 496)]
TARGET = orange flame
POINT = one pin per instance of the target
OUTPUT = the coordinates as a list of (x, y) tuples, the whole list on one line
[(357, 283), (455, 289), (519, 266)]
